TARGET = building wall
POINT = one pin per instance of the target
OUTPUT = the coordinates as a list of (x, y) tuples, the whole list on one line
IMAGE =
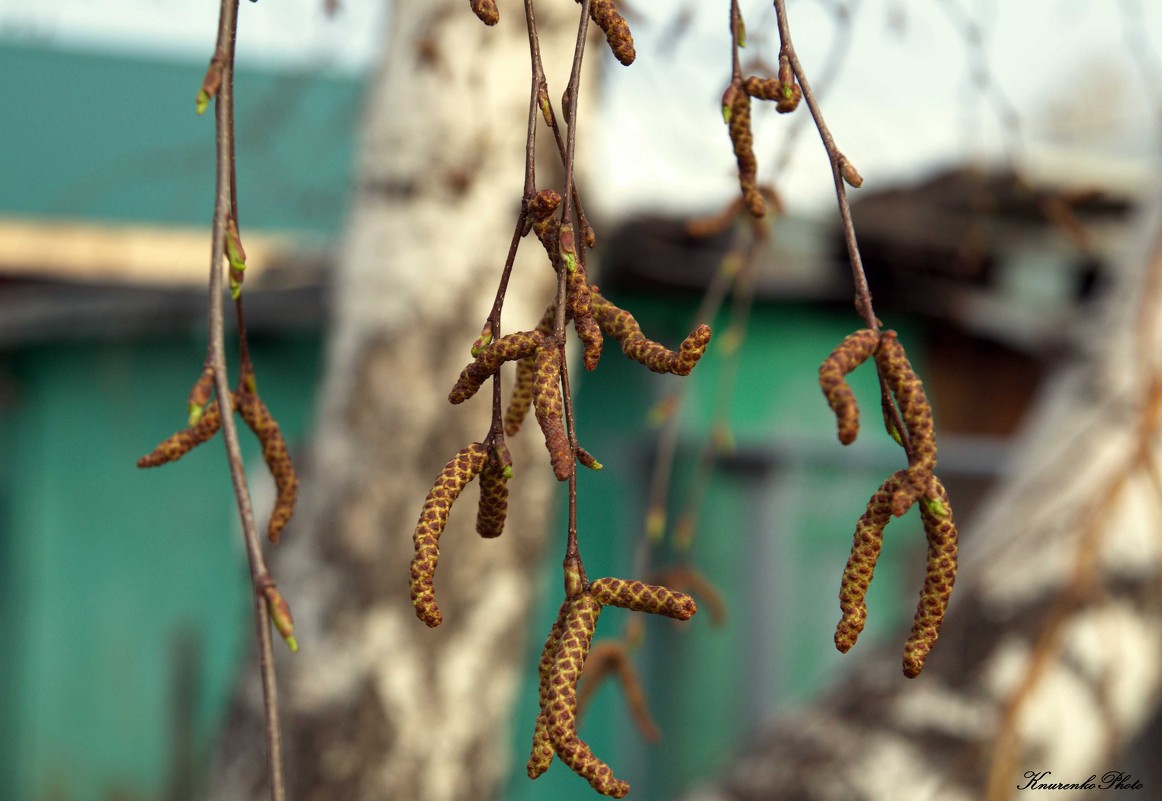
[(124, 591)]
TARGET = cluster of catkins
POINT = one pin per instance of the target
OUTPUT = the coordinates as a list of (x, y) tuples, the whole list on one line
[(917, 482), (538, 354), (563, 660), (785, 93), (205, 418)]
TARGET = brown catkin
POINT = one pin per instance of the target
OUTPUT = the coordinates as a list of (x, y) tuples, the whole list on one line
[(493, 508), (181, 443), (200, 394), (522, 391), (579, 300), (489, 359), (486, 10), (621, 325), (460, 470), (785, 95), (277, 458), (916, 412), (542, 752), (605, 14), (940, 529), (589, 332), (549, 406), (561, 701), (743, 141), (853, 351), (861, 564), (642, 597), (543, 204), (548, 232), (521, 397)]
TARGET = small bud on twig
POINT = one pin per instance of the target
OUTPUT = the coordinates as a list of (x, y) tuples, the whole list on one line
[(850, 174), (200, 395), (280, 614), (486, 10)]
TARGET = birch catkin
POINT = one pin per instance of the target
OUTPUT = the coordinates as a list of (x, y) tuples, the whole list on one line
[(940, 530), (917, 482), (178, 445), (561, 701), (851, 353), (277, 457), (489, 359), (542, 753), (457, 473), (493, 508), (569, 642), (621, 325), (607, 17), (642, 597), (736, 106), (861, 565), (916, 413), (549, 406)]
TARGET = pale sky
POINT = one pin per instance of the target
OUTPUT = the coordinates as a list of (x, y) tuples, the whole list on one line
[(1084, 75)]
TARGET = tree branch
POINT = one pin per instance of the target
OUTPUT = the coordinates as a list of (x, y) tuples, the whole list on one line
[(223, 209)]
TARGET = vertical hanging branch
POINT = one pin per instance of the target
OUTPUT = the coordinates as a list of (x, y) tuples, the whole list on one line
[(843, 172), (907, 417), (563, 265), (266, 597)]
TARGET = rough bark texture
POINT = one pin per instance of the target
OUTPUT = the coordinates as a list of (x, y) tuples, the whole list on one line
[(1050, 660), (376, 705)]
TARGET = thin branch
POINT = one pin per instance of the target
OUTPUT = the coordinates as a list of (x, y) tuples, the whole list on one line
[(571, 93), (863, 300), (223, 209), (724, 392), (840, 168), (832, 67), (667, 449), (735, 43)]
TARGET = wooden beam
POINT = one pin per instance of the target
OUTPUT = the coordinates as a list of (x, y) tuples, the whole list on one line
[(122, 253)]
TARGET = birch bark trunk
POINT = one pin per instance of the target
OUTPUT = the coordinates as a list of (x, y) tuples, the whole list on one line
[(376, 705), (1050, 658)]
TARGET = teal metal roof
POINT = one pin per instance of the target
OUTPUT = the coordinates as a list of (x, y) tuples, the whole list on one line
[(102, 136)]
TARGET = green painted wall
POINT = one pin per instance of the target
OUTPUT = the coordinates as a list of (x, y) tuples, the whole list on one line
[(125, 591), (110, 137)]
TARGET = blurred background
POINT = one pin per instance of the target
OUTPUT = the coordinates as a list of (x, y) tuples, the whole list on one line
[(1006, 150)]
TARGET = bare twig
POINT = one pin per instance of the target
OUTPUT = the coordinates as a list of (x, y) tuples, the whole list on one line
[(863, 300), (571, 93), (832, 66), (841, 171), (224, 208)]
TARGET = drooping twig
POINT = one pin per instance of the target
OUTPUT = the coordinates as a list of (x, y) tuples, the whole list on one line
[(571, 93), (839, 166), (843, 172), (224, 210)]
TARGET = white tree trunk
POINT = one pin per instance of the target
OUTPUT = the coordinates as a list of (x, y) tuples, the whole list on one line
[(1051, 659), (376, 705)]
